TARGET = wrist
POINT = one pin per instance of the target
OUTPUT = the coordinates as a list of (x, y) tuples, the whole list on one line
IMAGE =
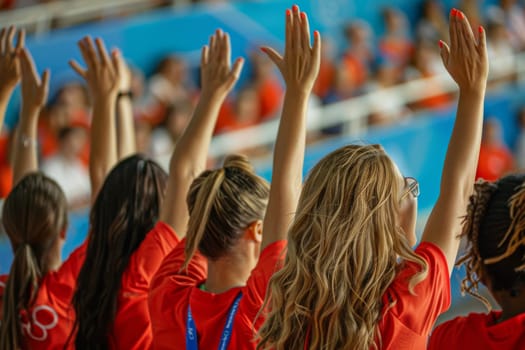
[(6, 91), (105, 100), (213, 95), (473, 91)]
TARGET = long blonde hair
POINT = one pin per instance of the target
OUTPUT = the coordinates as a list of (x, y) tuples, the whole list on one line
[(343, 251)]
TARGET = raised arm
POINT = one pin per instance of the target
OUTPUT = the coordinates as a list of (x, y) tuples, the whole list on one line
[(9, 66), (102, 76), (126, 144), (34, 97), (466, 61), (190, 154), (299, 67)]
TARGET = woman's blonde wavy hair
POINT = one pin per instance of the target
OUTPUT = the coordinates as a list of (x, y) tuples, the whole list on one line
[(343, 252)]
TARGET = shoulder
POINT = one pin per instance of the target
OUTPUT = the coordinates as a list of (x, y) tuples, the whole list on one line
[(454, 332)]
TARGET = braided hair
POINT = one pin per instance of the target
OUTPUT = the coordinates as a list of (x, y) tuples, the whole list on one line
[(495, 231)]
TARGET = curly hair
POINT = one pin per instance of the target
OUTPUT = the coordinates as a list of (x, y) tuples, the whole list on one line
[(495, 231), (343, 251)]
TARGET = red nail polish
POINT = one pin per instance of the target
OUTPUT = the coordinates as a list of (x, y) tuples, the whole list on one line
[(316, 33), (295, 8), (263, 49), (480, 29), (453, 12), (288, 12), (440, 43), (461, 15), (303, 15)]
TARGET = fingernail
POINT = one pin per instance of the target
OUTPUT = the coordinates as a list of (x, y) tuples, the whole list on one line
[(440, 43), (316, 33), (480, 29), (263, 49), (288, 12), (453, 12), (303, 15), (461, 15), (295, 8)]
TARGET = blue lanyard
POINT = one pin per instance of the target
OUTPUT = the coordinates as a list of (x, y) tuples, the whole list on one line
[(191, 330)]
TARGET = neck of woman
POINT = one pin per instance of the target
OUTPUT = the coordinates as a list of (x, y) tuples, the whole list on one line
[(226, 273)]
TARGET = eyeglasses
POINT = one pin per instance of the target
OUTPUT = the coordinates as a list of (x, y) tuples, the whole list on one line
[(412, 187)]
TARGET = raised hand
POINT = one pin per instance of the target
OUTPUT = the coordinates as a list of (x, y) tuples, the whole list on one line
[(466, 59), (103, 73), (103, 76), (9, 61), (299, 65), (217, 74), (189, 157), (34, 97), (34, 88)]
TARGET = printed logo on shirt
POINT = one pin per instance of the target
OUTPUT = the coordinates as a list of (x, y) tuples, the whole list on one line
[(43, 319)]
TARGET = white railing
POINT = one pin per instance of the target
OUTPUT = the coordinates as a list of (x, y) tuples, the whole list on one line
[(42, 18)]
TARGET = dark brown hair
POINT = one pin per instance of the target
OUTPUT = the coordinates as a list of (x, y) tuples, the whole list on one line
[(34, 215), (125, 210), (495, 232)]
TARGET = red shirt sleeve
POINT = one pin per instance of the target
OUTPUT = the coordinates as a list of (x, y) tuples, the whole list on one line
[(147, 259), (270, 261), (167, 291), (419, 312)]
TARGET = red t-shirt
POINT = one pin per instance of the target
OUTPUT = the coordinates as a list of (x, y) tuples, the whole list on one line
[(480, 332), (51, 318), (407, 324), (172, 290), (132, 329), (494, 162)]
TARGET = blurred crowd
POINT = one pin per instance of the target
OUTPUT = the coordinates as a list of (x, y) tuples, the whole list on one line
[(164, 102)]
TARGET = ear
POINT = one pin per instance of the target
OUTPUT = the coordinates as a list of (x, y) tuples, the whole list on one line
[(254, 231)]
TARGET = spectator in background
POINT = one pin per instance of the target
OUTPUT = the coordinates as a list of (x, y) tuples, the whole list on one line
[(472, 10), (495, 159), (359, 57), (432, 25), (500, 50), (169, 84), (267, 85), (327, 70), (242, 112), (66, 167), (166, 136), (514, 18), (145, 105), (395, 46), (54, 118), (143, 134), (390, 105), (520, 143), (426, 63)]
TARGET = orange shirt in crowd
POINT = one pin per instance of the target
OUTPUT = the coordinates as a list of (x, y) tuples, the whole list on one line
[(270, 95), (407, 324), (49, 321), (132, 329), (6, 180), (494, 162), (356, 69), (173, 289), (325, 79), (480, 332)]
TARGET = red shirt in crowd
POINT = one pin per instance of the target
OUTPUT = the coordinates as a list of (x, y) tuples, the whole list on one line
[(480, 332), (407, 324), (494, 162), (49, 321), (173, 289), (132, 329)]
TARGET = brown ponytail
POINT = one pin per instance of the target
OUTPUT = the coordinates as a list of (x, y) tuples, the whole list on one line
[(222, 204), (34, 215)]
